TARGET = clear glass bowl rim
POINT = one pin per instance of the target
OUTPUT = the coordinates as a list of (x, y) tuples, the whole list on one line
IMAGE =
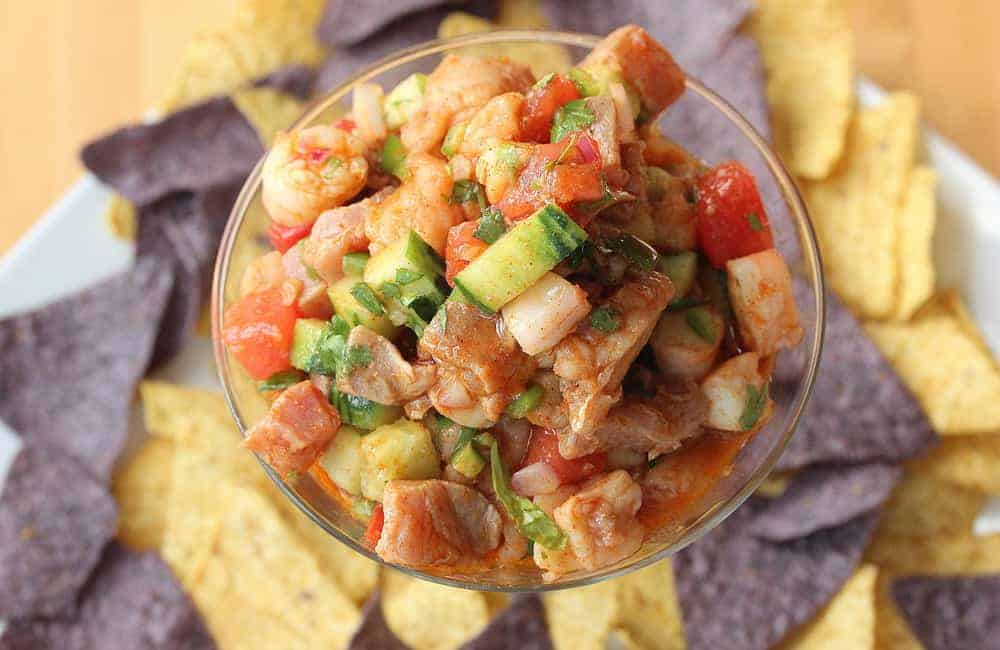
[(707, 520)]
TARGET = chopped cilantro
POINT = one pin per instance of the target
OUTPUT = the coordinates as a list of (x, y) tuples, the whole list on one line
[(329, 348), (604, 319), (366, 296), (608, 198), (491, 226), (755, 224), (585, 82), (465, 190), (653, 462), (406, 276), (281, 380), (636, 251), (571, 116), (340, 326), (356, 356), (700, 323), (542, 83), (756, 401), (390, 290)]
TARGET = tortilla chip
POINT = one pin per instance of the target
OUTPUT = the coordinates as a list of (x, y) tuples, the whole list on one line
[(952, 612), (521, 14), (855, 209), (648, 609), (133, 601), (891, 631), (968, 461), (542, 59), (847, 621), (916, 230), (346, 23), (774, 485), (140, 488), (822, 498), (581, 618), (955, 378), (120, 218), (263, 36), (428, 616), (268, 110), (374, 633), (619, 639), (180, 412), (808, 52), (923, 506), (295, 80), (521, 625), (55, 519), (68, 370)]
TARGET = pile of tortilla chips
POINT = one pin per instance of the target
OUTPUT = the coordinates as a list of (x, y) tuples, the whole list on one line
[(826, 555)]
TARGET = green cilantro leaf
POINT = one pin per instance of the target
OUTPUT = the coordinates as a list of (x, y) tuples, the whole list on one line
[(756, 401), (366, 296), (390, 290), (604, 319), (406, 276), (755, 224), (531, 521), (339, 326), (571, 116), (467, 190), (491, 226), (281, 380)]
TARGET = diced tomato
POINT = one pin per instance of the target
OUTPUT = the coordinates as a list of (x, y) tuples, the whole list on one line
[(345, 124), (541, 104), (730, 217), (544, 448), (374, 531), (258, 331), (461, 248), (576, 183), (284, 237)]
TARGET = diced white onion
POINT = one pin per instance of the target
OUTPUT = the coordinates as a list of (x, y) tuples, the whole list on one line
[(367, 111), (537, 478), (623, 112), (545, 313)]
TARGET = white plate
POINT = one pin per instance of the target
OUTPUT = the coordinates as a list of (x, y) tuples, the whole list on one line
[(70, 248)]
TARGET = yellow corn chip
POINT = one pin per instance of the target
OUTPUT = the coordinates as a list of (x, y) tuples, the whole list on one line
[(972, 462), (808, 52), (855, 209), (268, 110), (427, 616), (948, 553), (619, 639), (775, 485), (174, 411), (580, 619), (521, 14), (952, 374), (847, 621), (141, 488), (648, 608), (916, 229), (891, 631), (542, 59), (922, 506), (120, 218)]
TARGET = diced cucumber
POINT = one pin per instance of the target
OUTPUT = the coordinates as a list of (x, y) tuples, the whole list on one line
[(347, 307), (404, 99), (585, 82), (409, 252), (602, 77), (715, 287), (364, 413), (681, 269), (519, 258), (453, 139), (304, 340), (393, 158), (467, 461), (353, 264), (403, 450), (342, 460), (525, 402)]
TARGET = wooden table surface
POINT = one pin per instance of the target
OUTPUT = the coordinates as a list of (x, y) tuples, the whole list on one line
[(75, 68)]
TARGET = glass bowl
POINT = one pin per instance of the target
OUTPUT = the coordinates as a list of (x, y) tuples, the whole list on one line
[(794, 374)]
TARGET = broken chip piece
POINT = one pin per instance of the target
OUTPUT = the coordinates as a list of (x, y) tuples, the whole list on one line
[(374, 632), (946, 613), (520, 625)]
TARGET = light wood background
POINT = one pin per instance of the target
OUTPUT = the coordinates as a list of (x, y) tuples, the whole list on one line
[(72, 69)]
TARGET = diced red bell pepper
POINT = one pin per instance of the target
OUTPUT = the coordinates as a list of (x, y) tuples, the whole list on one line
[(345, 124), (374, 531), (729, 217), (540, 107), (461, 248), (258, 331), (544, 447), (284, 237)]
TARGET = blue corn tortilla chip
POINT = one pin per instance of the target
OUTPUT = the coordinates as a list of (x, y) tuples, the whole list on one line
[(182, 231), (737, 591), (860, 411), (948, 613), (68, 370), (694, 31), (132, 601), (55, 520), (196, 148), (296, 79), (521, 625), (374, 632), (349, 22), (825, 497)]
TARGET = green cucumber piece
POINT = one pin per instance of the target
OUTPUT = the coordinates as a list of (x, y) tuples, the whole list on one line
[(453, 139), (354, 264), (342, 460), (525, 402), (519, 258), (585, 82), (467, 461), (393, 158), (681, 269), (305, 339), (353, 312), (404, 100), (410, 253), (363, 413)]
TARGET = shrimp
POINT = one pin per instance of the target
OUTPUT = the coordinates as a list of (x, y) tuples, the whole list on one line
[(312, 170), (499, 119), (268, 270), (760, 288)]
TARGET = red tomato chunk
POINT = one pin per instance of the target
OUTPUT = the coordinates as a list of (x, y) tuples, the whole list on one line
[(462, 247), (284, 237), (544, 448), (374, 531), (258, 331), (541, 104), (730, 217)]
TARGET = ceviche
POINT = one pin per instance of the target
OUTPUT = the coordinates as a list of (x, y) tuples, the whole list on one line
[(506, 320)]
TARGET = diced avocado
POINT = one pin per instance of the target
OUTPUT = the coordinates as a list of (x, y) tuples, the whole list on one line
[(603, 76), (342, 460), (404, 99), (519, 258), (394, 157), (353, 264), (306, 335), (525, 402), (409, 252), (347, 307), (681, 269), (467, 461), (453, 139), (364, 413), (403, 450), (585, 82)]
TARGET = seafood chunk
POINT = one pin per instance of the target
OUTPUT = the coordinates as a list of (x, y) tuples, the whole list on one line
[(388, 378), (760, 289), (657, 424), (296, 430)]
